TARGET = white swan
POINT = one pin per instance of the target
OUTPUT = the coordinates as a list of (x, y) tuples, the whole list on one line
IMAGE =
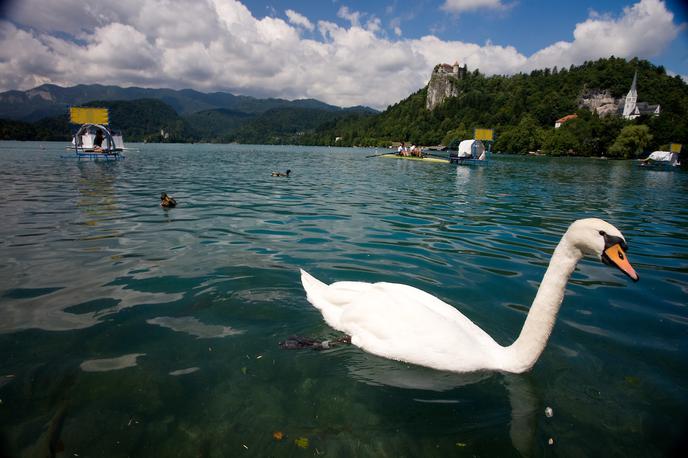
[(404, 323)]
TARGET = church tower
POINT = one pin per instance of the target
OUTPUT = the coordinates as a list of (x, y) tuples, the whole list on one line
[(631, 98)]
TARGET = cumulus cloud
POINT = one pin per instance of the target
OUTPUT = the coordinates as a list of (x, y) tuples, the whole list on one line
[(352, 16), (299, 20), (221, 45), (644, 29), (461, 6)]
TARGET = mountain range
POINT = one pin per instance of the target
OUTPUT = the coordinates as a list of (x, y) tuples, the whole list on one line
[(52, 100), (181, 115)]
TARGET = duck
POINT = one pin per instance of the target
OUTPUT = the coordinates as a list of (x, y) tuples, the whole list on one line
[(404, 323), (167, 201), (280, 174)]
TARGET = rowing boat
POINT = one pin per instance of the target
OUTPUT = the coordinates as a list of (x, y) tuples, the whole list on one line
[(415, 158)]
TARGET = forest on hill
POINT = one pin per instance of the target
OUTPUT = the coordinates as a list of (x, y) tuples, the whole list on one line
[(152, 120), (523, 108)]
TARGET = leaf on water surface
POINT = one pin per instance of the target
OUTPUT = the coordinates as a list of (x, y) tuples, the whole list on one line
[(278, 435), (301, 442), (632, 380)]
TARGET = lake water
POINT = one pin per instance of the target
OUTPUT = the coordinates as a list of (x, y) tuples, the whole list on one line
[(131, 330)]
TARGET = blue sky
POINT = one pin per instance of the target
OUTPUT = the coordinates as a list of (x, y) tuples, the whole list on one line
[(341, 52)]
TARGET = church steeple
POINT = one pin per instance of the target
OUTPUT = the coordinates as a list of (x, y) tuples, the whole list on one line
[(631, 98)]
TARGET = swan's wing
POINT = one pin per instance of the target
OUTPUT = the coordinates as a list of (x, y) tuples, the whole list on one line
[(427, 300), (404, 323), (332, 299)]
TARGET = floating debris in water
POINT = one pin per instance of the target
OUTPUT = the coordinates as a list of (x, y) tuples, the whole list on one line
[(460, 444), (278, 435), (110, 364), (632, 380), (550, 441), (301, 442), (189, 370), (549, 412)]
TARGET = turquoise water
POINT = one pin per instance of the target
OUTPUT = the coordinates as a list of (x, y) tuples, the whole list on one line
[(131, 330)]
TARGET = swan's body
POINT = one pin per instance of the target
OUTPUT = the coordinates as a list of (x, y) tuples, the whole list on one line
[(404, 323)]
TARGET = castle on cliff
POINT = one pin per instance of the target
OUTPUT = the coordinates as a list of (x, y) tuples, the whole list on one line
[(442, 83), (450, 70)]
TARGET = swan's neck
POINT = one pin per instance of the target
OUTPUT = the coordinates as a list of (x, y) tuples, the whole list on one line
[(526, 350)]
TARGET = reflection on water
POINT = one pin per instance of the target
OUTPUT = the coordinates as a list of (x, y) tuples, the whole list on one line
[(94, 275), (192, 326), (110, 364)]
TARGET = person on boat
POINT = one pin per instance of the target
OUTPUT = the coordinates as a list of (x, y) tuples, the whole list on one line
[(167, 201), (98, 141), (280, 174), (400, 150)]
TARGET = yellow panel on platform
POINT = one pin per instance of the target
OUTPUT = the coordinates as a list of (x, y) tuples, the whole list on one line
[(80, 115), (483, 134), (675, 148)]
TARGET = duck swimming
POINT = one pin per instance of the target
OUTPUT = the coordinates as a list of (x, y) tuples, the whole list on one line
[(280, 174), (167, 201), (403, 323)]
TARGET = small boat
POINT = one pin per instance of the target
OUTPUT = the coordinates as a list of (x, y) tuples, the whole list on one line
[(95, 139), (661, 159), (470, 152), (416, 158)]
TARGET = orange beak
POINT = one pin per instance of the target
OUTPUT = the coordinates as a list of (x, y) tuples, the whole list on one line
[(617, 256)]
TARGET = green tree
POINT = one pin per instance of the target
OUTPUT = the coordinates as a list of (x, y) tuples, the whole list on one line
[(560, 142), (526, 136), (631, 141)]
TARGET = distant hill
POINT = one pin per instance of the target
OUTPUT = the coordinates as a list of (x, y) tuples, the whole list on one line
[(139, 120), (50, 100), (153, 120), (217, 124)]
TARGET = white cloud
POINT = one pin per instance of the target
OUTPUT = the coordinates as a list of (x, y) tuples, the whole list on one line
[(299, 20), (220, 45), (644, 30), (352, 16), (461, 6)]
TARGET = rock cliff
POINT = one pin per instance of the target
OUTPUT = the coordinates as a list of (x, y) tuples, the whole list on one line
[(600, 101), (443, 84)]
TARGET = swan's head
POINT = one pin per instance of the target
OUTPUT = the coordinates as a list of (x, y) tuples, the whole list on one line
[(598, 238)]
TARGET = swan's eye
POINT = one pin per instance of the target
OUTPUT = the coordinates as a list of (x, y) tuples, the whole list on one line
[(602, 233)]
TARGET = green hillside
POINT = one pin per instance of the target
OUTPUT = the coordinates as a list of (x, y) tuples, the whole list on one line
[(146, 120), (218, 124), (155, 121), (523, 108), (289, 125), (50, 100)]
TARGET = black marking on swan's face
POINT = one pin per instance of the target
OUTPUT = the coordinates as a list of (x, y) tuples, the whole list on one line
[(610, 240), (614, 254)]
